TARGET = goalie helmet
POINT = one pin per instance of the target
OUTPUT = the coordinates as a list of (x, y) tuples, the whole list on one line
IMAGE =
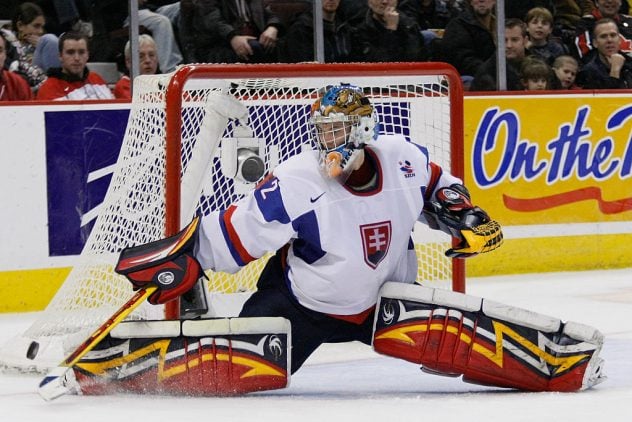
[(343, 122)]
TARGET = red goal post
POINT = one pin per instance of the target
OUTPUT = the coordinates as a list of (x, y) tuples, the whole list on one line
[(177, 159)]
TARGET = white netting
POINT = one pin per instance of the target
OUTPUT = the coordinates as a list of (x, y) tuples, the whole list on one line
[(134, 209)]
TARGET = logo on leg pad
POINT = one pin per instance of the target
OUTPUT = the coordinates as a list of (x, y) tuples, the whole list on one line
[(165, 278)]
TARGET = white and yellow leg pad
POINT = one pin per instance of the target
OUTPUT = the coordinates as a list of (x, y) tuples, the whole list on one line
[(487, 342), (206, 357)]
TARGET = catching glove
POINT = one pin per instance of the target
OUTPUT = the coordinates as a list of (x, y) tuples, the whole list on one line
[(452, 212), (167, 263)]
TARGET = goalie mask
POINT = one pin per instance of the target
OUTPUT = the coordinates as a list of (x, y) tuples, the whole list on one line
[(343, 122)]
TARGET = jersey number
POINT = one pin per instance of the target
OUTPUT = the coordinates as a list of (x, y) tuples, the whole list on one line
[(274, 185)]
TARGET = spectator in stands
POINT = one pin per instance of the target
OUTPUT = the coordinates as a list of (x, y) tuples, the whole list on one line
[(539, 27), (568, 14), (12, 86), (387, 35), (609, 68), (148, 64), (73, 81), (110, 28), (229, 31), (298, 43), (585, 50), (469, 39), (36, 51), (588, 5), (565, 72), (515, 52), (535, 74)]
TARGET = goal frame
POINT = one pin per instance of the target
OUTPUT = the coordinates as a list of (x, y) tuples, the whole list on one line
[(173, 123)]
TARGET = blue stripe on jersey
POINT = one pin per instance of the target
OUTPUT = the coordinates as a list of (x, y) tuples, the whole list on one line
[(270, 202), (231, 247), (307, 246), (423, 150)]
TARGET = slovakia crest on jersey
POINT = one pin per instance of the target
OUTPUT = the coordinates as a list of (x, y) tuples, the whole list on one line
[(376, 239)]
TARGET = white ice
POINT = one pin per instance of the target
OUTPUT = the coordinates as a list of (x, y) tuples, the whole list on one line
[(351, 383)]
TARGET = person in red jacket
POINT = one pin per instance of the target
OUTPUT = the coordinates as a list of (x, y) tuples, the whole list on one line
[(73, 81), (12, 86)]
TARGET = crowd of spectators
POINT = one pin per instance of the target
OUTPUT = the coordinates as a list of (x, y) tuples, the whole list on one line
[(549, 44)]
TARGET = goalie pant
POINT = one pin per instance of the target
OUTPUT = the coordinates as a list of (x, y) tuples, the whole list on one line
[(487, 342)]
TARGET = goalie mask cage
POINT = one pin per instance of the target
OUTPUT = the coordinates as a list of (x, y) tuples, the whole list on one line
[(177, 160)]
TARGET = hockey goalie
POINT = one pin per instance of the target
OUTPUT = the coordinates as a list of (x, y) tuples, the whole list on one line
[(339, 219)]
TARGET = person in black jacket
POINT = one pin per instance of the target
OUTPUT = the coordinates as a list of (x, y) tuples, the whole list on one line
[(469, 39), (298, 43), (387, 35), (609, 68), (230, 31)]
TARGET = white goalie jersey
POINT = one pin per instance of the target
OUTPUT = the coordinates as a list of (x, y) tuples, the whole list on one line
[(342, 245)]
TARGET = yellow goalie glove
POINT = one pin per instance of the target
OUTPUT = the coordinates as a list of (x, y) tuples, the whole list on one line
[(478, 239), (452, 212)]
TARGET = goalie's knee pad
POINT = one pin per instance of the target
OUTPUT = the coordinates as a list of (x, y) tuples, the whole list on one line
[(205, 357), (487, 342)]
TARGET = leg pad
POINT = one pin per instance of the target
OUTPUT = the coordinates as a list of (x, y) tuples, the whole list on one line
[(487, 342), (212, 357)]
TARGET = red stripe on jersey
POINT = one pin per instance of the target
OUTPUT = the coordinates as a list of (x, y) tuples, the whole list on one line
[(234, 237), (435, 175)]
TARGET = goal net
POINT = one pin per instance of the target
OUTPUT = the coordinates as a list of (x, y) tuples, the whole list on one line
[(182, 155)]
